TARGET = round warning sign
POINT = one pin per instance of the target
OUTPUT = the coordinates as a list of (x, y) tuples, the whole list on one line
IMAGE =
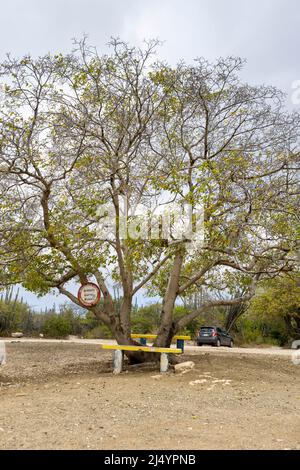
[(89, 294)]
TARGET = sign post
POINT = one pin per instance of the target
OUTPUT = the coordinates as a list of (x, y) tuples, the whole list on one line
[(89, 294)]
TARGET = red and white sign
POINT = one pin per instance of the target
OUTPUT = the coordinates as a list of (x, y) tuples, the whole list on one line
[(89, 294)]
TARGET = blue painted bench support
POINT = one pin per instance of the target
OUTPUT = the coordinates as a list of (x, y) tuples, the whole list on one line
[(180, 339), (180, 344)]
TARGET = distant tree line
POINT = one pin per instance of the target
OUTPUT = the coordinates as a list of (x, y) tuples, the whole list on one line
[(271, 317)]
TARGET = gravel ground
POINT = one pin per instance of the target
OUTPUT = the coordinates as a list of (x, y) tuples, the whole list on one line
[(61, 395)]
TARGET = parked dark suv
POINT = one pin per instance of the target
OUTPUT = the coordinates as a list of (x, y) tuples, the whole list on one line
[(214, 336)]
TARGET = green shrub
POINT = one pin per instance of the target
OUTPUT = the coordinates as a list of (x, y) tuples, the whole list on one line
[(146, 319), (99, 332), (57, 326)]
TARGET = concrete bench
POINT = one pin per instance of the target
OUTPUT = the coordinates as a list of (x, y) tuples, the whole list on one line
[(180, 339), (119, 355)]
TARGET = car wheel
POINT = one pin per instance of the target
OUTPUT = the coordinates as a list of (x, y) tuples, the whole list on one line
[(199, 344), (231, 344), (218, 343)]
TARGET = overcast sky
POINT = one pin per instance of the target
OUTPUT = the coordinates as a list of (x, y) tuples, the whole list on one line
[(265, 32)]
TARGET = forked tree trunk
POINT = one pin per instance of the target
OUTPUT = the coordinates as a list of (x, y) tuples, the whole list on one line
[(120, 325), (167, 326), (122, 333)]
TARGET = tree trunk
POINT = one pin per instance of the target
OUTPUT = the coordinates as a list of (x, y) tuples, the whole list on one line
[(297, 321), (134, 357), (120, 325), (289, 326), (167, 327)]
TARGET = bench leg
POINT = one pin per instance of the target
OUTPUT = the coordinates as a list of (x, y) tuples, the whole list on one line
[(118, 361), (164, 363)]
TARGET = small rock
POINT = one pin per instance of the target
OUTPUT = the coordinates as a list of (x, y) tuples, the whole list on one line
[(184, 366), (17, 334)]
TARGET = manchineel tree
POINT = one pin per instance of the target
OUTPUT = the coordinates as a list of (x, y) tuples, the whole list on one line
[(86, 138)]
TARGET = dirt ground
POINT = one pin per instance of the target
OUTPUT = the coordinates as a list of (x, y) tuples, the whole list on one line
[(64, 396)]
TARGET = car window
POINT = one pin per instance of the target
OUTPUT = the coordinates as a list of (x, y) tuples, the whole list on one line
[(206, 329)]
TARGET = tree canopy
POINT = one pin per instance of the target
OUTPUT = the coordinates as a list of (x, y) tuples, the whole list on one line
[(85, 137)]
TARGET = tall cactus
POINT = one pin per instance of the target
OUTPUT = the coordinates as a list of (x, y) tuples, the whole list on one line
[(16, 297)]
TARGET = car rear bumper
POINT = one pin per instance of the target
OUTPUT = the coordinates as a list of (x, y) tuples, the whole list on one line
[(212, 340)]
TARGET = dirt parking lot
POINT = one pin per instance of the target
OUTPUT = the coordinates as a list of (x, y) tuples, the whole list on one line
[(64, 396)]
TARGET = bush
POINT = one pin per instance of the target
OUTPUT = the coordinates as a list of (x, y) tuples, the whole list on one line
[(99, 332), (253, 330), (146, 319), (56, 326), (14, 314)]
